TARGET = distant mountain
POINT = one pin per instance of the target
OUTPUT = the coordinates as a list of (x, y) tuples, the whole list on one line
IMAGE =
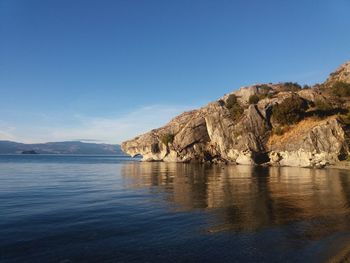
[(69, 147)]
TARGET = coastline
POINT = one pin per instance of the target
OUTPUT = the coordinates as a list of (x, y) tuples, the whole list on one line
[(344, 165)]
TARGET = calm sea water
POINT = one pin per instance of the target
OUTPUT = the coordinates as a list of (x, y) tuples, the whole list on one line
[(114, 209)]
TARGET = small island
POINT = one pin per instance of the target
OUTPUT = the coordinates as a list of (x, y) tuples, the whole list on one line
[(29, 152)]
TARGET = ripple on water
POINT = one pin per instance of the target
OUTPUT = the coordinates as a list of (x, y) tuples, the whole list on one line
[(107, 208)]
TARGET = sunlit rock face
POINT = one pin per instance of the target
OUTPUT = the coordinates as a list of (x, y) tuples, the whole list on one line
[(211, 134), (313, 146), (341, 74)]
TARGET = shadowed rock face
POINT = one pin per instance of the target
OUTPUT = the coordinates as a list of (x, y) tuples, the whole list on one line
[(211, 134)]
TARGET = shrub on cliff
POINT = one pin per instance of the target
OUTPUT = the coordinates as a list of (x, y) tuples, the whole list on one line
[(291, 86), (264, 89), (341, 89), (254, 99), (231, 101), (290, 111), (167, 138), (322, 105), (234, 107), (236, 112), (345, 118)]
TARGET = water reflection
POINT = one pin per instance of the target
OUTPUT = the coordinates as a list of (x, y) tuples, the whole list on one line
[(246, 198)]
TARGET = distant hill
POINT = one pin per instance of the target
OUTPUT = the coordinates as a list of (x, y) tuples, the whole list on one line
[(69, 147)]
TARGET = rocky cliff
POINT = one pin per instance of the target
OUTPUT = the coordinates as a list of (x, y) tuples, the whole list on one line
[(278, 124)]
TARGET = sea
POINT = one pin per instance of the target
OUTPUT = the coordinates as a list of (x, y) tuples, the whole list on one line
[(69, 208)]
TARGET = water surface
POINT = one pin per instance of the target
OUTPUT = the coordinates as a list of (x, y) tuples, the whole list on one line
[(114, 209)]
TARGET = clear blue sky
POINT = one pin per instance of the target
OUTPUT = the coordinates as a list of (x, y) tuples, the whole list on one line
[(107, 70)]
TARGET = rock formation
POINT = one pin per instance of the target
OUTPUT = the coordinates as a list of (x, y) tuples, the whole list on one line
[(246, 127)]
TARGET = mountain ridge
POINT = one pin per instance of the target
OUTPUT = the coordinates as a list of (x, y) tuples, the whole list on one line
[(64, 147)]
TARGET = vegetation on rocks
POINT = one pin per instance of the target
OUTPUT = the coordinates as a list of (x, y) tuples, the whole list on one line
[(345, 118), (341, 89), (167, 138), (231, 101), (295, 131), (289, 111), (322, 105), (254, 99), (291, 86), (264, 89), (234, 107), (289, 126)]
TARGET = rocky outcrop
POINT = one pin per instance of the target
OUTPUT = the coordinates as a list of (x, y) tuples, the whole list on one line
[(341, 74), (311, 143), (215, 134)]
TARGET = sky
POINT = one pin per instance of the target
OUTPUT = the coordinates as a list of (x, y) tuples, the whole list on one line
[(108, 70)]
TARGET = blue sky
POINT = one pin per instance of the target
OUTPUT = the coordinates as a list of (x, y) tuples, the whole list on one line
[(108, 70)]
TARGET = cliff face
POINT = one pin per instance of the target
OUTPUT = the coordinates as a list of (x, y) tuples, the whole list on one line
[(236, 128)]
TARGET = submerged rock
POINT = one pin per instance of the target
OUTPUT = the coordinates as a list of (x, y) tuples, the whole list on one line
[(220, 133)]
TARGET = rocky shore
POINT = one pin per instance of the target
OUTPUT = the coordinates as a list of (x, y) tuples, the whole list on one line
[(280, 124)]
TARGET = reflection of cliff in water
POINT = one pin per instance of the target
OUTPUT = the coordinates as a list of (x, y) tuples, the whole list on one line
[(246, 198)]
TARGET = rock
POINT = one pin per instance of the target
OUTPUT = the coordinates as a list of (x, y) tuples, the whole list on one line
[(212, 135), (309, 94), (341, 74), (310, 144)]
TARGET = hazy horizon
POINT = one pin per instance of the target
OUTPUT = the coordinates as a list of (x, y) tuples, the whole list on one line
[(69, 141)]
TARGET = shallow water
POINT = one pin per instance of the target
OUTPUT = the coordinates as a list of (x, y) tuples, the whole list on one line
[(113, 209)]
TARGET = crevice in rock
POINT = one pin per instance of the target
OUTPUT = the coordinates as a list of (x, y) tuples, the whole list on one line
[(261, 157)]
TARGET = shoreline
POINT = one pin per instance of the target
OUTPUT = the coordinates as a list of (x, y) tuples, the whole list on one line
[(343, 165)]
